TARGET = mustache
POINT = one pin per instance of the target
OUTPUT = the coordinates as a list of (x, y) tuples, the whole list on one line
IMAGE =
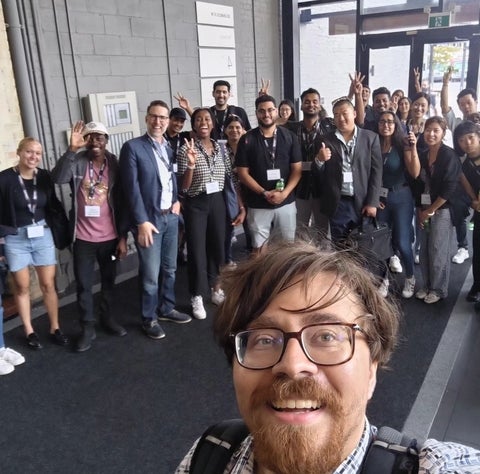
[(306, 388)]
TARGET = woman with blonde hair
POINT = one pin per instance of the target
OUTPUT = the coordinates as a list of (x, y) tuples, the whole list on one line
[(27, 194)]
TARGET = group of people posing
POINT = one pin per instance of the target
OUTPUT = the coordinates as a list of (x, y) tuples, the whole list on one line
[(320, 172)]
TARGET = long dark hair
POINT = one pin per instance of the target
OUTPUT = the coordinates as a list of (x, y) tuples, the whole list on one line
[(398, 134)]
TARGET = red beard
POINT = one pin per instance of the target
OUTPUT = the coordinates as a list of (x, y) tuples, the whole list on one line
[(296, 449)]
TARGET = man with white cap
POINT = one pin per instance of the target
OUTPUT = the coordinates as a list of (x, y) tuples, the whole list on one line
[(98, 222)]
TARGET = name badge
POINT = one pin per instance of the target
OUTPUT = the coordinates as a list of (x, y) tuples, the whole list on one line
[(425, 199), (383, 192), (92, 211), (273, 174), (347, 177), (306, 165), (175, 167), (212, 187), (35, 231)]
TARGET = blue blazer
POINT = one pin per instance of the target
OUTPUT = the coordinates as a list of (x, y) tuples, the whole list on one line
[(141, 181)]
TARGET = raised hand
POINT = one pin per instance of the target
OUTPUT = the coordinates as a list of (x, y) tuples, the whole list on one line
[(183, 102), (356, 80), (76, 137), (191, 154), (324, 154), (264, 88)]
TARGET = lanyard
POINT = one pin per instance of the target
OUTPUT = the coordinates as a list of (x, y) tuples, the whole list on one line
[(221, 125), (174, 143), (31, 203), (157, 148), (93, 185), (211, 165), (272, 151), (349, 150), (308, 138)]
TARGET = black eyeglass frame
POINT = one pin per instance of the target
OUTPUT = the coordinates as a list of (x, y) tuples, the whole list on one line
[(354, 328)]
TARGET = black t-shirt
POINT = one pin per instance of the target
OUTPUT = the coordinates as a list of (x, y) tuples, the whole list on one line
[(472, 173), (24, 216), (252, 153), (220, 117), (310, 144), (176, 142)]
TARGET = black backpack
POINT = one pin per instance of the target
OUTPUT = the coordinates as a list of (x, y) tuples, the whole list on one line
[(390, 452)]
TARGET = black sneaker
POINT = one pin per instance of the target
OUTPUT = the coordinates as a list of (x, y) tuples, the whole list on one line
[(59, 338), (153, 329), (175, 317), (33, 341)]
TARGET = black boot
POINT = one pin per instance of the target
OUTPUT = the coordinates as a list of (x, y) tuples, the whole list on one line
[(88, 335), (112, 327)]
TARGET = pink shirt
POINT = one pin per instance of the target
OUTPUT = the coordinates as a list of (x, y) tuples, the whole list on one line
[(94, 229)]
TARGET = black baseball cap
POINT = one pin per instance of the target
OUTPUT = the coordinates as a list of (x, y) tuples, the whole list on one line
[(177, 112)]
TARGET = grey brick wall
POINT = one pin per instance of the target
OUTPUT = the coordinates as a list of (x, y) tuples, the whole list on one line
[(149, 46)]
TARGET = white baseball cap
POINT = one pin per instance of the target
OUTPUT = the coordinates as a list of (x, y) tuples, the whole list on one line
[(95, 127)]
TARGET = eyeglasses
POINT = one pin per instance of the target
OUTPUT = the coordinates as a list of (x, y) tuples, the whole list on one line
[(324, 344), (386, 122), (266, 111), (162, 118)]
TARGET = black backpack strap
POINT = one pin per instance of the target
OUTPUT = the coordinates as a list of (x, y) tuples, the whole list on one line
[(217, 445), (391, 452)]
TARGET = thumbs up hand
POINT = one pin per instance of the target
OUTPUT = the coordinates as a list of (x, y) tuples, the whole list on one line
[(324, 154)]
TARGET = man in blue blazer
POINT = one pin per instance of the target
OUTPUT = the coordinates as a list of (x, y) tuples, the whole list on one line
[(146, 167)]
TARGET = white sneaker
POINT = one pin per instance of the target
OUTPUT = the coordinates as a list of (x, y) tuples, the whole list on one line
[(421, 294), (383, 288), (395, 265), (198, 310), (431, 298), (6, 367), (218, 297), (11, 356), (460, 256), (417, 259), (408, 287)]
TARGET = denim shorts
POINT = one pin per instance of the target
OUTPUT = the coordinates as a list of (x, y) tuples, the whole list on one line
[(21, 251)]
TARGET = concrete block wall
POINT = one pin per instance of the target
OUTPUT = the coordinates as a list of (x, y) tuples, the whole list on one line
[(148, 46)]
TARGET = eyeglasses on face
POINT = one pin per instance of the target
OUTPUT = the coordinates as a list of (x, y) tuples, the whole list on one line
[(266, 111), (386, 122), (162, 118), (323, 344)]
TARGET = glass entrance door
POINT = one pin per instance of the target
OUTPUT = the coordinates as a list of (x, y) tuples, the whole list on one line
[(438, 58), (389, 67)]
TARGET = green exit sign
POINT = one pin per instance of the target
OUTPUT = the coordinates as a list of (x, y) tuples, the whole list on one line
[(439, 20)]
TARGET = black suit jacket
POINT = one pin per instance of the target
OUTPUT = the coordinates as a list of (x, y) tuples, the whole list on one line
[(367, 170)]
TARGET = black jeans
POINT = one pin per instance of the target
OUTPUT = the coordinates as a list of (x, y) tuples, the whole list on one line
[(84, 256), (205, 218)]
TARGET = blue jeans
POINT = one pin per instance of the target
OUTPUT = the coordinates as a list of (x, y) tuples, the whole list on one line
[(398, 214), (159, 261)]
